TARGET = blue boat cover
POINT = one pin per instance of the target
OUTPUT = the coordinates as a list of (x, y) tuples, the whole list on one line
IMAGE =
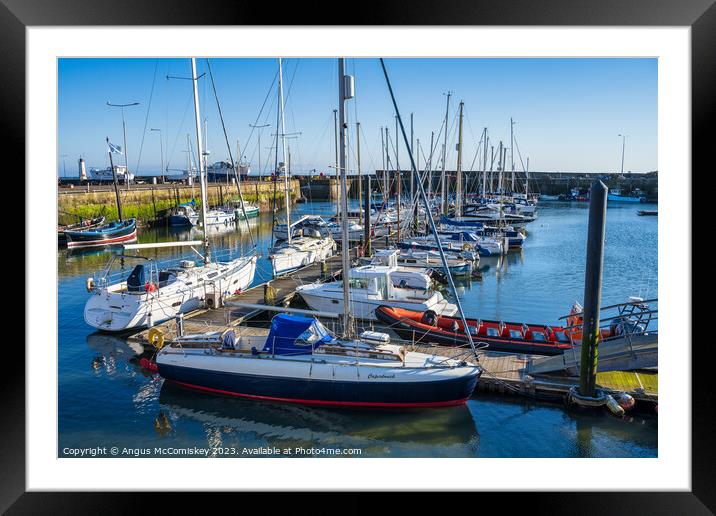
[(295, 335), (461, 223), (464, 236)]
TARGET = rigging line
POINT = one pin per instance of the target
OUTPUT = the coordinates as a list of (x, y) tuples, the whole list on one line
[(263, 105), (179, 130), (429, 213), (146, 118), (231, 157)]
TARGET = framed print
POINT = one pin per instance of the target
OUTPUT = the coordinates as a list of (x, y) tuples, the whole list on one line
[(192, 177)]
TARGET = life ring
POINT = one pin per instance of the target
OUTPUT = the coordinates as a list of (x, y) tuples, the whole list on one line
[(89, 284), (150, 286), (156, 338)]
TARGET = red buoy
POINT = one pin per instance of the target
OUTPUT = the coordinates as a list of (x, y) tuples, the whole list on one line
[(149, 365)]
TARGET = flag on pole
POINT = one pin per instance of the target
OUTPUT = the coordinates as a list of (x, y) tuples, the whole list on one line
[(116, 149)]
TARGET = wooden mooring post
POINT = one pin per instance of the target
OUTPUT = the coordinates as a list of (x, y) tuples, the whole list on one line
[(593, 289)]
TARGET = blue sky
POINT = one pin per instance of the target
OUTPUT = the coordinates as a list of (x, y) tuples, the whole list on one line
[(568, 112)]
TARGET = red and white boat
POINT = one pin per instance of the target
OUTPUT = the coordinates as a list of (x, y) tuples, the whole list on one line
[(511, 337)]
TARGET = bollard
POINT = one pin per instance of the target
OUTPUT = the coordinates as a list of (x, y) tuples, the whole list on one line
[(593, 289), (269, 294), (180, 324)]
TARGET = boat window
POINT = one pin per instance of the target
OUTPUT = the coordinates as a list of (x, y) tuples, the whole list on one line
[(515, 334), (561, 336), (166, 278), (212, 274), (538, 336), (381, 286), (492, 332), (358, 283)]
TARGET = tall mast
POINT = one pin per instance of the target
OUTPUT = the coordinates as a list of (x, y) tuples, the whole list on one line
[(430, 166), (382, 156), (397, 173), (287, 197), (500, 166), (386, 181), (512, 152), (200, 154), (412, 151), (360, 176), (458, 195), (484, 161), (444, 203), (335, 139), (345, 92)]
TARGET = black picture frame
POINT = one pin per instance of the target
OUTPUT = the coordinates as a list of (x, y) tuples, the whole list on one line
[(700, 15)]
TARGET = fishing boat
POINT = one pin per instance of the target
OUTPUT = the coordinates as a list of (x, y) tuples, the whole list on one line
[(152, 294), (616, 195), (374, 285), (300, 362), (117, 232), (548, 197), (430, 327), (82, 225)]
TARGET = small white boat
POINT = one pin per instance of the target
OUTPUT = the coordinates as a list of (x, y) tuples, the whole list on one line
[(300, 252), (374, 285), (214, 217)]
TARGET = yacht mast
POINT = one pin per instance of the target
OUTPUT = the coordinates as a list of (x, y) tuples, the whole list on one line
[(200, 154), (287, 196), (443, 193), (345, 92), (458, 187)]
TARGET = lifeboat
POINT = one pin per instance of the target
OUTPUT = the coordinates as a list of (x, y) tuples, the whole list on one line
[(428, 327)]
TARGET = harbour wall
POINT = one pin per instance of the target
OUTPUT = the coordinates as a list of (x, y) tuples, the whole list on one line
[(147, 202), (551, 183)]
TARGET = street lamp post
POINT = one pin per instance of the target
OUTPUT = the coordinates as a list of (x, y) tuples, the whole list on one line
[(161, 150), (124, 132), (624, 137)]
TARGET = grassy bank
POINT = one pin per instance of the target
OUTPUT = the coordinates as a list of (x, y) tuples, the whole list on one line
[(146, 205)]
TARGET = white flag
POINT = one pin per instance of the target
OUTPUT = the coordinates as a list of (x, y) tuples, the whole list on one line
[(116, 149)]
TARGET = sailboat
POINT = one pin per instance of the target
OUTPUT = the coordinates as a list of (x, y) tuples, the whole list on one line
[(299, 361), (150, 294), (313, 244)]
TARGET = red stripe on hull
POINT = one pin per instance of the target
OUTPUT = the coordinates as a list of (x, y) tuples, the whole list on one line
[(97, 243), (450, 403)]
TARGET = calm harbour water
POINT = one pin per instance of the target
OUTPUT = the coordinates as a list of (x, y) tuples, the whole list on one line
[(106, 399)]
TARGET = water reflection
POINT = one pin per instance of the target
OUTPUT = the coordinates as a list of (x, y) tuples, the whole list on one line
[(237, 422)]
